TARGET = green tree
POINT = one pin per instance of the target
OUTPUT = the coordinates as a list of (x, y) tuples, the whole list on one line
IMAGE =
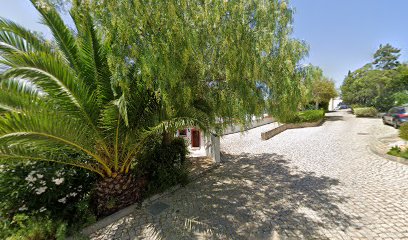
[(219, 52), (381, 89), (141, 68), (386, 57), (316, 87), (323, 89)]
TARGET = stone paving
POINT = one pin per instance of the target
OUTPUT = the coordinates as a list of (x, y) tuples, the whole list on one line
[(312, 183)]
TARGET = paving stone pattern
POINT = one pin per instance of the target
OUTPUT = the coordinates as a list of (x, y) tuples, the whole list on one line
[(312, 183)]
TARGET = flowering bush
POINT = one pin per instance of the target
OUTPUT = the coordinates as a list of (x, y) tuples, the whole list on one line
[(41, 189)]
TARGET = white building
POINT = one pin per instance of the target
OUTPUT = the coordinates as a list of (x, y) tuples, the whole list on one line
[(334, 102)]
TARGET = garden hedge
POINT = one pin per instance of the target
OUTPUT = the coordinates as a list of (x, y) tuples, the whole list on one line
[(365, 112)]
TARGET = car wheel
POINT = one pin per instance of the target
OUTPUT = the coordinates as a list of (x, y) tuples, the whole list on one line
[(395, 125), (384, 122)]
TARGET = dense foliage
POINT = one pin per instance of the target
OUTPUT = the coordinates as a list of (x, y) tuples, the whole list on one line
[(163, 165), (386, 57), (316, 88), (41, 196), (380, 88), (308, 116), (235, 56), (365, 112)]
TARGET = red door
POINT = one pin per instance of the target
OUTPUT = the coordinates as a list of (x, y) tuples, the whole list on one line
[(195, 138)]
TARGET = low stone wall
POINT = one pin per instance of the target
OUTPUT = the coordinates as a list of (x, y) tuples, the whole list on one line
[(271, 133), (254, 124)]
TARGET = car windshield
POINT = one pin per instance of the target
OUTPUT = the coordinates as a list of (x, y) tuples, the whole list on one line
[(401, 110)]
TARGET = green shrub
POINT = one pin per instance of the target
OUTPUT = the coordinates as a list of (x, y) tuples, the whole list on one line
[(311, 115), (354, 106), (163, 165), (308, 116), (398, 152), (42, 190), (36, 228), (404, 131), (365, 112)]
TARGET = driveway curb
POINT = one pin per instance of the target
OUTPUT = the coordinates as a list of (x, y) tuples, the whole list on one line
[(273, 132), (380, 149)]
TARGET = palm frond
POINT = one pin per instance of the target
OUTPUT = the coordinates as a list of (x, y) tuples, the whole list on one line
[(43, 131), (93, 54), (29, 153), (17, 36), (63, 36), (18, 94), (54, 78)]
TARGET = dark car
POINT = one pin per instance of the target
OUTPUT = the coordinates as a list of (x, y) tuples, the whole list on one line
[(342, 106), (396, 116)]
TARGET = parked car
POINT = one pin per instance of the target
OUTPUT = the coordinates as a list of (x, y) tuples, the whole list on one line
[(396, 116), (342, 106)]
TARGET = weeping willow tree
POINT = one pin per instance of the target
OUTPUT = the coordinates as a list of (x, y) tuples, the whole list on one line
[(128, 70), (235, 58)]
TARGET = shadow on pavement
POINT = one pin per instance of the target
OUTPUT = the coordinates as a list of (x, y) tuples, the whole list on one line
[(334, 118), (250, 197)]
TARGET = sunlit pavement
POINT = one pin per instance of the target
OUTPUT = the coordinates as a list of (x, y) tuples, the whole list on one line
[(311, 183)]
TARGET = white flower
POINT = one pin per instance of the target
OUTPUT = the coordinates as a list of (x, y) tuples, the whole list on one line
[(58, 181), (23, 208), (40, 190), (40, 176), (58, 173), (62, 200), (30, 178), (42, 209), (73, 194)]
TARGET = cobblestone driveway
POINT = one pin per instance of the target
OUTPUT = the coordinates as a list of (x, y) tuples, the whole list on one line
[(314, 183)]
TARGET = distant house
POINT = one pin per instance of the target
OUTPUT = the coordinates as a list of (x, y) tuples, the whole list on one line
[(334, 102), (202, 143), (193, 136)]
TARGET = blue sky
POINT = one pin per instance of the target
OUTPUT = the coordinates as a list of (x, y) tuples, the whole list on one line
[(342, 34)]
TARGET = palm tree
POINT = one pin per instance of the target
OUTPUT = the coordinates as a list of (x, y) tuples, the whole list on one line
[(59, 97)]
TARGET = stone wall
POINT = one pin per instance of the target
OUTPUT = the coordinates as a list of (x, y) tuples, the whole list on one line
[(271, 133), (253, 124)]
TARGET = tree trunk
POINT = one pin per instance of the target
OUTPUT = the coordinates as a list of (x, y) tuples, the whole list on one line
[(317, 106), (113, 194), (167, 138)]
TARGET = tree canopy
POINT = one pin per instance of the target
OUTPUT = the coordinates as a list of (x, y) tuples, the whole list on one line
[(234, 57), (380, 88), (386, 57), (316, 87)]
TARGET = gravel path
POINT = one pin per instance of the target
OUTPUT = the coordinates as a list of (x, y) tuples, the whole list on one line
[(311, 183)]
